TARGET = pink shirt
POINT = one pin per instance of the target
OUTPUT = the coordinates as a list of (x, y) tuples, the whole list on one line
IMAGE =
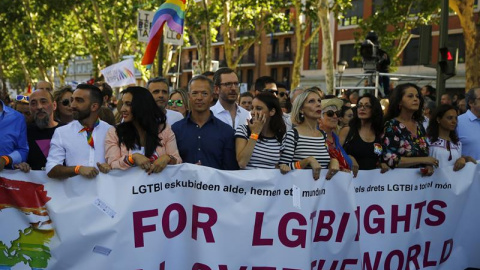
[(115, 155)]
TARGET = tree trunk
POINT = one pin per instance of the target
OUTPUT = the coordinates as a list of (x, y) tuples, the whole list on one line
[(464, 10), (327, 51), (227, 35)]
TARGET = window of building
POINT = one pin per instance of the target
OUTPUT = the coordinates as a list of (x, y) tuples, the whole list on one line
[(354, 15), (286, 76), (410, 53), (274, 73), (249, 78), (217, 54), (347, 53)]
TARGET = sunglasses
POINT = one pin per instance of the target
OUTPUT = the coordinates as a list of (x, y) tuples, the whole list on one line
[(364, 106), (178, 102), (23, 98), (272, 91), (282, 94), (65, 102), (331, 113)]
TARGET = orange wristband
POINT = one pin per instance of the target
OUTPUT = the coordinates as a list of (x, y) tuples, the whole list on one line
[(77, 169), (7, 160), (130, 159), (254, 136), (297, 165)]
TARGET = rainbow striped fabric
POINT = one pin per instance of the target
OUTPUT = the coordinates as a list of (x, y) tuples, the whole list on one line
[(171, 12)]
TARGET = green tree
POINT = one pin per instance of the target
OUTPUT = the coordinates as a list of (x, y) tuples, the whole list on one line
[(393, 21)]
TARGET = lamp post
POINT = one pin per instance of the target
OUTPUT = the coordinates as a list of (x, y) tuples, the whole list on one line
[(341, 65), (173, 80)]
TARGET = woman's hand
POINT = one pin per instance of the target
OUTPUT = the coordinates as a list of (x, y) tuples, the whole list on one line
[(430, 161), (427, 171), (355, 166), (159, 164), (24, 167), (142, 161), (104, 167), (333, 168), (284, 168), (316, 167), (257, 122), (384, 168), (459, 164)]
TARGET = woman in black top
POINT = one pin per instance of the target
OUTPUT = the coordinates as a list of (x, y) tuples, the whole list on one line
[(362, 138)]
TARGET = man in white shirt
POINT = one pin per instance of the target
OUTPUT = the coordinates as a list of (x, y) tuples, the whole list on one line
[(79, 147), (468, 126), (226, 109), (159, 88)]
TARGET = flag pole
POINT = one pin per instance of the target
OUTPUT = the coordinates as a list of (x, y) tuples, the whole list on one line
[(178, 65)]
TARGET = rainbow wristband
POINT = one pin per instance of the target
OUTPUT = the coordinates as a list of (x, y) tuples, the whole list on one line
[(7, 160)]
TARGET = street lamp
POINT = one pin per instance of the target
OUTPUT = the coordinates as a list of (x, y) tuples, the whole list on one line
[(341, 65), (173, 80)]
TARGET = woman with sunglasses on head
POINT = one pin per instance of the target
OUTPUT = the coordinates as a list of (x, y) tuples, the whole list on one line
[(305, 144), (404, 139), (143, 139), (362, 138), (331, 110), (258, 143), (178, 101), (444, 143), (63, 113)]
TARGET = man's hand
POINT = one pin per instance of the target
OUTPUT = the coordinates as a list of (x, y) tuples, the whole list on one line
[(104, 167), (24, 167), (88, 172)]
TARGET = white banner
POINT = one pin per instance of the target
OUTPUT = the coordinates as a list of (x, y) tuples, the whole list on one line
[(120, 74), (194, 217), (172, 37), (144, 24)]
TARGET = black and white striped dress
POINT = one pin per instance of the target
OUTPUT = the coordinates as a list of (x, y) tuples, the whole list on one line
[(303, 148), (266, 153)]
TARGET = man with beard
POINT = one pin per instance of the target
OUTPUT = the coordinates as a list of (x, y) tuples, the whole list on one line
[(227, 87), (159, 88), (40, 132), (78, 148)]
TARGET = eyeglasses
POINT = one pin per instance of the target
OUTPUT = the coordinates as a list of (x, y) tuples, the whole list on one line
[(229, 84), (23, 98), (65, 102), (282, 94), (178, 102), (364, 106), (331, 113), (271, 91)]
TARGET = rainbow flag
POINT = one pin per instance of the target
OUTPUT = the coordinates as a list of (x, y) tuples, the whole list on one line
[(171, 12)]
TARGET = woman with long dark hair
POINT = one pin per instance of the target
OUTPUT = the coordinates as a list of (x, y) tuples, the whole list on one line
[(258, 143), (404, 140), (362, 138), (143, 139), (444, 143)]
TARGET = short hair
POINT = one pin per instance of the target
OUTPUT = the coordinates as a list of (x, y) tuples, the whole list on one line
[(430, 104), (201, 78), (96, 95), (50, 95), (261, 82), (106, 88), (470, 95), (298, 88), (156, 80), (217, 77), (51, 87), (208, 73), (281, 85), (246, 94), (298, 105)]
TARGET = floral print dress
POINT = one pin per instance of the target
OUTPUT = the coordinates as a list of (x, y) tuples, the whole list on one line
[(398, 142)]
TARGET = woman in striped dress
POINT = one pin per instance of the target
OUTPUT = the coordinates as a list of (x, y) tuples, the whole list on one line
[(305, 144), (258, 143)]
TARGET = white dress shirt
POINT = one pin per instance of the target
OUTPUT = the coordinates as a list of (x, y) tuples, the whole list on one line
[(71, 147), (173, 117), (241, 117)]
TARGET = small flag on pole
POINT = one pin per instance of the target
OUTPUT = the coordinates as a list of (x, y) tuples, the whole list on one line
[(171, 12)]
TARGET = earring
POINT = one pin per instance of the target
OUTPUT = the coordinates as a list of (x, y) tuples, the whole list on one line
[(301, 117)]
